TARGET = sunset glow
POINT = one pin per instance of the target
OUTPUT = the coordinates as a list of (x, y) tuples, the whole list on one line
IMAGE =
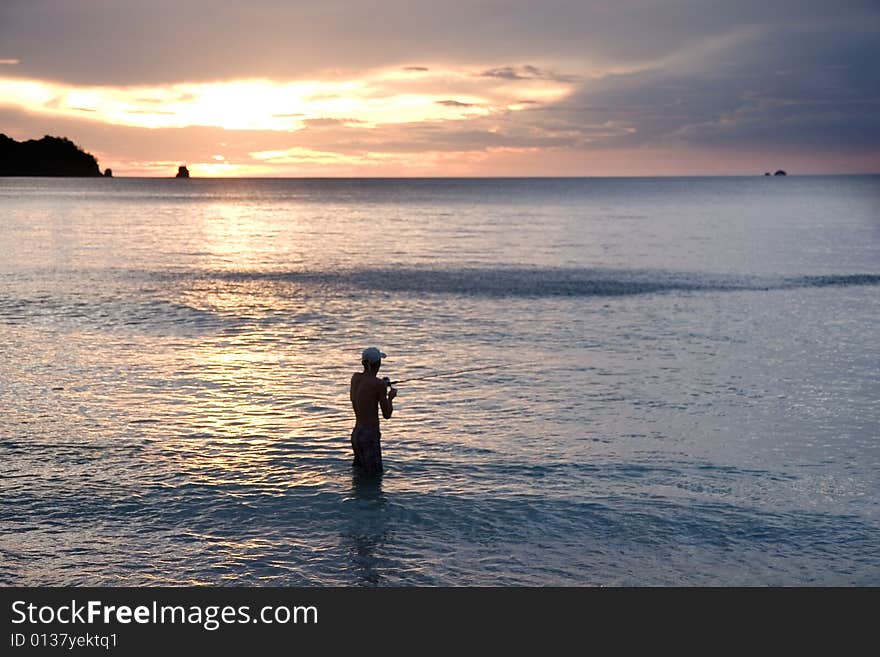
[(269, 105), (382, 98), (273, 89)]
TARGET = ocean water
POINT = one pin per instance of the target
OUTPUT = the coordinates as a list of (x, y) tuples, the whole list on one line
[(681, 383)]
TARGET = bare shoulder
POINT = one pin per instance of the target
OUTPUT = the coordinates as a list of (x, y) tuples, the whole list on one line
[(375, 385)]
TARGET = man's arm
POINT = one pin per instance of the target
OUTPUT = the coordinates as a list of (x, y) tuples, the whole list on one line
[(385, 399)]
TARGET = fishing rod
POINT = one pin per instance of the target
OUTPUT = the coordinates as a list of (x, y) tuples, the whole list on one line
[(389, 382)]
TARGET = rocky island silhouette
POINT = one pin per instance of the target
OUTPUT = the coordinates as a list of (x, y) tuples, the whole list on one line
[(49, 156)]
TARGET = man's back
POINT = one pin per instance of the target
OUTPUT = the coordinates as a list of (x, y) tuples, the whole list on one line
[(367, 394)]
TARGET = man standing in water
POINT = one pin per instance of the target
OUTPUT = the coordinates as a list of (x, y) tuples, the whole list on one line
[(368, 394)]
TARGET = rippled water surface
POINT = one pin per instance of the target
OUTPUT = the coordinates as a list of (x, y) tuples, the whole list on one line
[(683, 385)]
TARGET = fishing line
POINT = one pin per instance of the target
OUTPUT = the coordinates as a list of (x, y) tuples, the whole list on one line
[(439, 374), (457, 372)]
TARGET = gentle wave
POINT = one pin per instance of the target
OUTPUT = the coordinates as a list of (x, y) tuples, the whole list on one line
[(470, 282), (107, 311), (549, 282)]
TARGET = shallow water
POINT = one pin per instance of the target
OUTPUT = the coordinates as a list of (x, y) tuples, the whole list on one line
[(686, 390)]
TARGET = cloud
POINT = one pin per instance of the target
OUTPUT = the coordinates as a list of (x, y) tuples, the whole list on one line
[(454, 103), (167, 41), (297, 155), (510, 73), (374, 98), (526, 72), (795, 86), (331, 123)]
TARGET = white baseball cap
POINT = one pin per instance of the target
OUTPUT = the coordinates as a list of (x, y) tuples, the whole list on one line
[(372, 355)]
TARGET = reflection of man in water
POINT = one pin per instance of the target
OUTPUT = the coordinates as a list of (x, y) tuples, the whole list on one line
[(366, 528), (368, 394)]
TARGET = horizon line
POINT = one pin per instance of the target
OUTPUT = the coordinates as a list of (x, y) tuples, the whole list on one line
[(475, 177)]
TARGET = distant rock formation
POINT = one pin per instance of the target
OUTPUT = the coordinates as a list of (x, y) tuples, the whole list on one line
[(780, 173), (766, 173), (108, 173), (49, 156), (182, 172)]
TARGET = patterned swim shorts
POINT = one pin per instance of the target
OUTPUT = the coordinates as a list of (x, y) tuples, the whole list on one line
[(366, 447)]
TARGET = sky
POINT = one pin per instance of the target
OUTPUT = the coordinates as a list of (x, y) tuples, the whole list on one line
[(479, 88)]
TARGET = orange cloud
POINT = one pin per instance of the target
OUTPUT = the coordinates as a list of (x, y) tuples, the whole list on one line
[(383, 97)]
